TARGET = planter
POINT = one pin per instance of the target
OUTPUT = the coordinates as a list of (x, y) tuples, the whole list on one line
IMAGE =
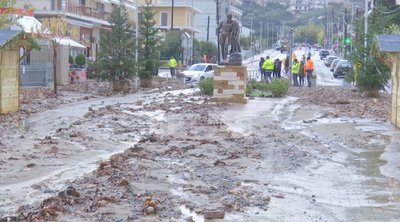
[(146, 82), (123, 85), (371, 93)]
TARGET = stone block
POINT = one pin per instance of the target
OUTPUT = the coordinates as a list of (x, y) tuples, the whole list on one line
[(214, 214)]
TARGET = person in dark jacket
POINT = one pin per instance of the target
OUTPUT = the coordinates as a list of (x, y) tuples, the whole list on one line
[(277, 68), (301, 73), (260, 64)]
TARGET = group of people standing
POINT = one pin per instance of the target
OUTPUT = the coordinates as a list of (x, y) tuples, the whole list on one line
[(301, 70), (270, 68)]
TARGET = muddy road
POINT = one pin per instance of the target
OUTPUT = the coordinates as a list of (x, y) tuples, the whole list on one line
[(175, 156)]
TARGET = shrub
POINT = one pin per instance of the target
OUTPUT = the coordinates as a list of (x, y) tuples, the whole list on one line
[(80, 60), (71, 59), (278, 87), (207, 86)]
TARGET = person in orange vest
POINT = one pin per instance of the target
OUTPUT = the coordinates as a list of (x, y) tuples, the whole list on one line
[(309, 69)]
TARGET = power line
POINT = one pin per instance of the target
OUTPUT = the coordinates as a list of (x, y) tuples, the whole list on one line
[(388, 12)]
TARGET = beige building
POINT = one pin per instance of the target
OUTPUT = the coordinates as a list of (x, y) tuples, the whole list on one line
[(88, 16), (184, 14)]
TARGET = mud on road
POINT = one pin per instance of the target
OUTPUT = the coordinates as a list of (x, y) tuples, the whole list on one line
[(180, 157)]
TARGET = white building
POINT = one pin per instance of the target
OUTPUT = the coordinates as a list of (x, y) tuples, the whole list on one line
[(209, 13)]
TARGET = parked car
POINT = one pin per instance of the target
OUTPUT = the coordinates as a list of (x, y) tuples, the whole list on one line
[(198, 72), (323, 54), (333, 64), (342, 68), (329, 59)]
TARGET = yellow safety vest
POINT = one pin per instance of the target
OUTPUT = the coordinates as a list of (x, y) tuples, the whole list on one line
[(172, 63), (296, 68), (268, 65)]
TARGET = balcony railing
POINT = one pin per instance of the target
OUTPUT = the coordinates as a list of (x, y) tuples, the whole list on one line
[(237, 2), (89, 12)]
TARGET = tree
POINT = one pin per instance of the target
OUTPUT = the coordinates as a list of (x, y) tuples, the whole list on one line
[(308, 34), (245, 42), (149, 43), (55, 29), (204, 48), (116, 57), (171, 45), (4, 20), (373, 72), (80, 60)]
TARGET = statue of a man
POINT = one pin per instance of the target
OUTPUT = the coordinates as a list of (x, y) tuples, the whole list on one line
[(229, 36)]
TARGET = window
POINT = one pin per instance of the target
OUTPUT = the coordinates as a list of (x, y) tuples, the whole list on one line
[(82, 2), (164, 19), (100, 7)]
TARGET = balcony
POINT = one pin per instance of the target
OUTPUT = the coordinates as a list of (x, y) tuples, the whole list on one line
[(89, 12), (237, 2)]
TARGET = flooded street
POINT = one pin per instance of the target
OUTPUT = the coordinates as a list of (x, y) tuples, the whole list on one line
[(272, 159), (315, 155)]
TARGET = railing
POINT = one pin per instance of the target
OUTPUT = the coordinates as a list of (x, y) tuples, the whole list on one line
[(36, 75), (87, 11), (253, 74)]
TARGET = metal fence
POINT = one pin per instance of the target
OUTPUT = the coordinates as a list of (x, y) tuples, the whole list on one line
[(36, 75)]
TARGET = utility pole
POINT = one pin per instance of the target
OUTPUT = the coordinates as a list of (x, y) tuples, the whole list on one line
[(251, 36), (136, 43), (351, 27), (325, 26), (267, 36), (365, 26), (208, 28), (261, 31), (172, 16), (218, 47), (290, 52), (345, 32)]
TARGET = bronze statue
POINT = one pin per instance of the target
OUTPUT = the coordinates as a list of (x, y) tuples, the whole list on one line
[(229, 38)]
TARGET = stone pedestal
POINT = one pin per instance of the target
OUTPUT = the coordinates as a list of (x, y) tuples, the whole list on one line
[(230, 84)]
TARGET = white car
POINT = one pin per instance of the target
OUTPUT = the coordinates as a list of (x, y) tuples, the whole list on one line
[(199, 71)]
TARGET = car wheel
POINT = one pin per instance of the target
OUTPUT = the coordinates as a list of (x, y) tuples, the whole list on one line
[(202, 78)]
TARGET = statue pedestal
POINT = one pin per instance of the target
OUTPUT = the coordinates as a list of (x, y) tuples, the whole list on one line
[(230, 84)]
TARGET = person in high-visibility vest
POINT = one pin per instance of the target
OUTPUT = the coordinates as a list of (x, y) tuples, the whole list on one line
[(295, 72), (268, 67), (172, 65)]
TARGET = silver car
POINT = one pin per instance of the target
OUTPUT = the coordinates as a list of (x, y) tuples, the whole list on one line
[(329, 59)]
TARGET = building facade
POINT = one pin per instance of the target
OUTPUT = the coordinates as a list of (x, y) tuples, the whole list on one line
[(182, 19), (87, 16)]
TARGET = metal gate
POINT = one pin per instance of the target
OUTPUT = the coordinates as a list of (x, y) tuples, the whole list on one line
[(36, 74)]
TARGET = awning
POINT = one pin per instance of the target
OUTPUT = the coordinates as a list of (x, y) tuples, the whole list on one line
[(69, 42), (30, 24)]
